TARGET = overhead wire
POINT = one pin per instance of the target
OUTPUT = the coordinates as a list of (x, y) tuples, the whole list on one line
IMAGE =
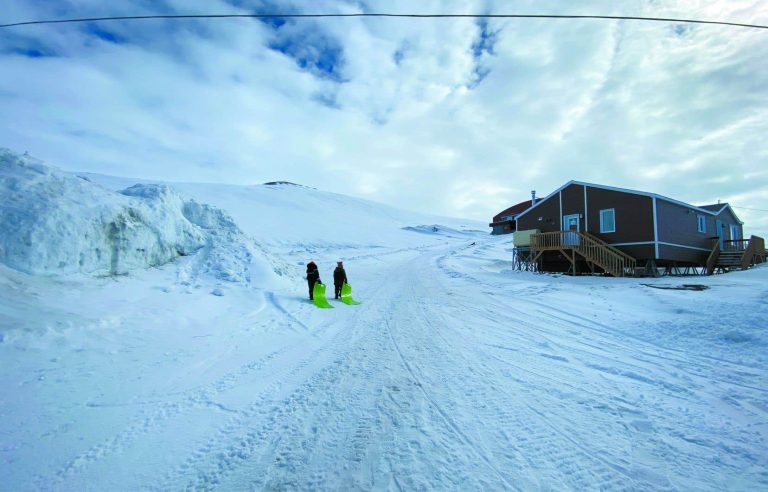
[(748, 208), (385, 15)]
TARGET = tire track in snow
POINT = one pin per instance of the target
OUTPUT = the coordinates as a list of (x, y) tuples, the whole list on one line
[(614, 340), (526, 297), (272, 300), (272, 432), (549, 447), (354, 423), (604, 341), (240, 438), (445, 416), (166, 411), (533, 427)]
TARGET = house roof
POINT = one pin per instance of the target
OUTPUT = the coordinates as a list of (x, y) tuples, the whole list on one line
[(513, 210), (716, 207), (706, 209)]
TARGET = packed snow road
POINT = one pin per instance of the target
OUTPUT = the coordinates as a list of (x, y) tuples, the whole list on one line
[(455, 373)]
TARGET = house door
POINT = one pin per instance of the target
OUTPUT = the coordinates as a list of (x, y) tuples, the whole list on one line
[(720, 230), (572, 227)]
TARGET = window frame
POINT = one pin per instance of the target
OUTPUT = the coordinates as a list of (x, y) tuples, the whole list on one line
[(701, 223), (734, 228), (603, 229)]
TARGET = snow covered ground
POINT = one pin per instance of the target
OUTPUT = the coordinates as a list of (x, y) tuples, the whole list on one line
[(455, 373)]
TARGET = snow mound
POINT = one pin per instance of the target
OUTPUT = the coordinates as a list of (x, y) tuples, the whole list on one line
[(230, 255), (56, 223), (436, 229)]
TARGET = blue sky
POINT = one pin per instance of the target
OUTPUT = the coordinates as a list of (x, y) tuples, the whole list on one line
[(456, 117)]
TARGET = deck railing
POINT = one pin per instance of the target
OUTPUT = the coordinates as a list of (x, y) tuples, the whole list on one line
[(747, 252), (735, 244), (594, 250)]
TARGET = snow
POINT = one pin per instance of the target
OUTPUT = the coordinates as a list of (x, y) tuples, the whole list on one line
[(56, 223), (212, 371)]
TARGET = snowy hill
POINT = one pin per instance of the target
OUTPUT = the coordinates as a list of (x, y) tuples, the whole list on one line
[(301, 217), (212, 371)]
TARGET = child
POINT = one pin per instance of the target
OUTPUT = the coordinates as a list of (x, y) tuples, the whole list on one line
[(339, 278), (313, 276)]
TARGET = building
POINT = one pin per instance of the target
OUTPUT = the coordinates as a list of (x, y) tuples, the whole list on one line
[(589, 227), (504, 221)]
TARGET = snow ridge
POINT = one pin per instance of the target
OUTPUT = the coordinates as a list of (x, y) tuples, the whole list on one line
[(56, 223)]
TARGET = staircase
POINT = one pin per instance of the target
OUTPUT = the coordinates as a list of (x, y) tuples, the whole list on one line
[(729, 259), (738, 253), (592, 249)]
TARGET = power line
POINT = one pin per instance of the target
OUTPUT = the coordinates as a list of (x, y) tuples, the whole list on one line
[(747, 208), (416, 16)]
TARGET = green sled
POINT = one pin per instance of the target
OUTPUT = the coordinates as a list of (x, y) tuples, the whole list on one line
[(346, 295), (318, 295)]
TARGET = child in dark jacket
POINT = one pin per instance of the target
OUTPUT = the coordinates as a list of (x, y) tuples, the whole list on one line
[(313, 277), (339, 278)]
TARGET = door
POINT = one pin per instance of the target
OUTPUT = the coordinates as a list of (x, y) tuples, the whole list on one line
[(720, 231), (572, 227)]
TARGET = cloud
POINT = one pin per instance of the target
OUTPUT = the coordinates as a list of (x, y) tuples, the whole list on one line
[(451, 116)]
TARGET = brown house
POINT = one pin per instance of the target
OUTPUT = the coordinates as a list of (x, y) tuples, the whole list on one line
[(584, 226)]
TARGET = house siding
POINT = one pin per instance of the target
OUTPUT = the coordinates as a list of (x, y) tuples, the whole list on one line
[(639, 251), (728, 220), (633, 214), (573, 202), (548, 210), (681, 254), (679, 225)]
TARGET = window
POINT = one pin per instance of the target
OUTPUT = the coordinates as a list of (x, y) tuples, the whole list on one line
[(735, 233), (608, 220), (702, 223)]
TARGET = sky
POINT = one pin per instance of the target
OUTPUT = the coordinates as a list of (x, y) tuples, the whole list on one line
[(456, 117)]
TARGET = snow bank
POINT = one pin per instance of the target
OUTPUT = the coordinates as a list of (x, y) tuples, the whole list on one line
[(440, 230), (53, 222)]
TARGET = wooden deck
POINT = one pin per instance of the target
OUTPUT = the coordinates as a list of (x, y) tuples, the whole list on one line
[(591, 249), (736, 254)]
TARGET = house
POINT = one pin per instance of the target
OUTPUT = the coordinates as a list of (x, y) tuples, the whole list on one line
[(589, 227), (504, 221)]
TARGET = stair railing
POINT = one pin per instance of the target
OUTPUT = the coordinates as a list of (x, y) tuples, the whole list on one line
[(754, 252), (610, 259), (714, 255)]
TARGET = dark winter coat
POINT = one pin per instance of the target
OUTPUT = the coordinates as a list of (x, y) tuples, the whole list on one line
[(313, 275), (339, 276)]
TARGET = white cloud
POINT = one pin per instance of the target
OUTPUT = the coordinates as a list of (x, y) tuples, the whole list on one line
[(405, 111)]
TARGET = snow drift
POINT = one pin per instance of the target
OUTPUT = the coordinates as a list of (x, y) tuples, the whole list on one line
[(53, 222), (441, 230)]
